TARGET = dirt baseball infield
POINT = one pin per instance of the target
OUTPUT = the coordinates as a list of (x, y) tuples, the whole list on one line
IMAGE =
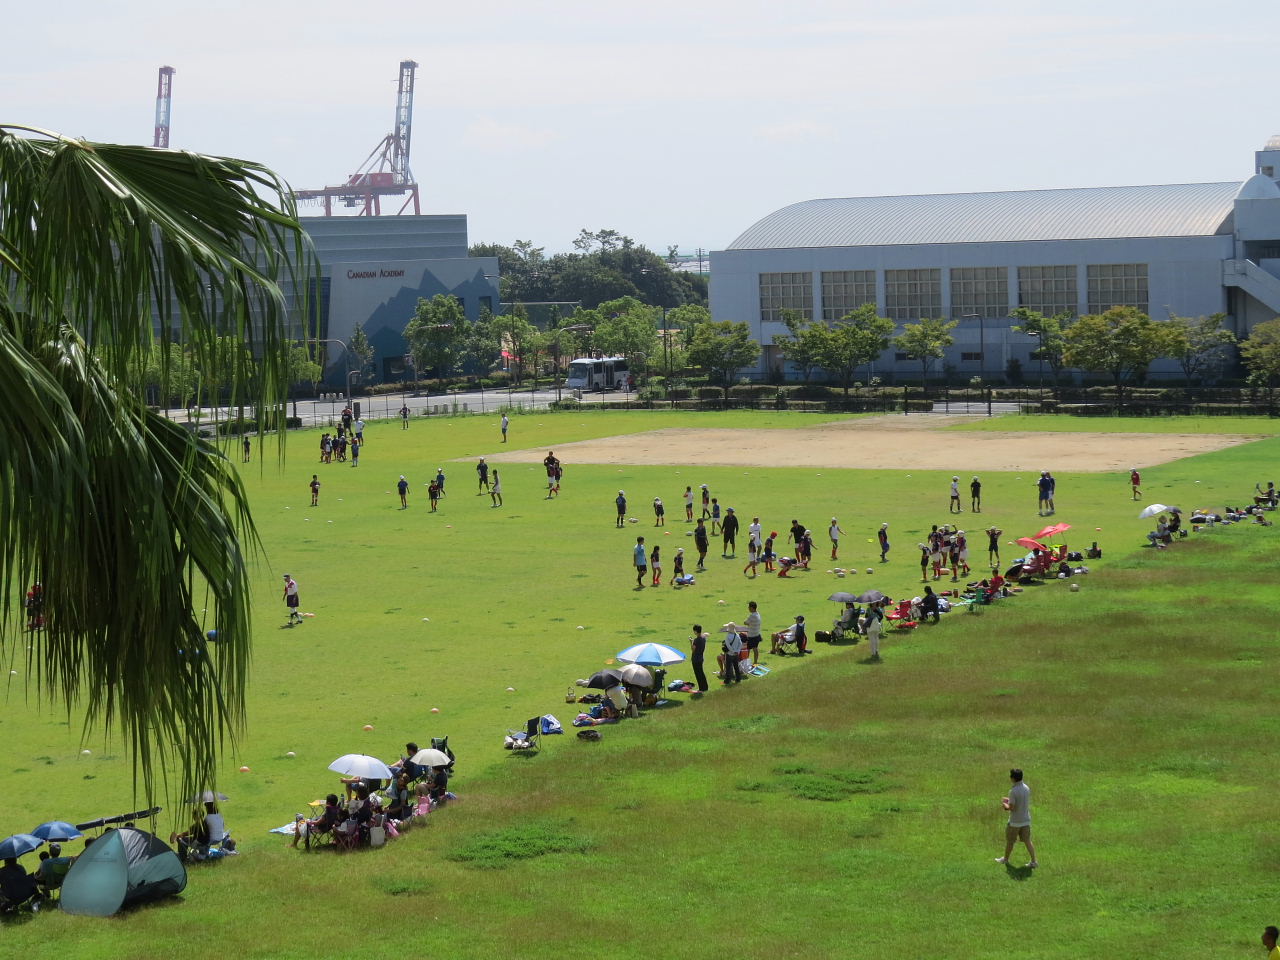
[(888, 442)]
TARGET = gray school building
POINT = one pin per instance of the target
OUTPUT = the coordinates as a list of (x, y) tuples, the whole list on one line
[(1190, 248), (374, 269)]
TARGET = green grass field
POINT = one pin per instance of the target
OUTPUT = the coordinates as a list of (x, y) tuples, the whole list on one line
[(1039, 422), (835, 808)]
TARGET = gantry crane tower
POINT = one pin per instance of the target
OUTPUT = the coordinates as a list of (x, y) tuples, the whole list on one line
[(385, 172), (164, 106)]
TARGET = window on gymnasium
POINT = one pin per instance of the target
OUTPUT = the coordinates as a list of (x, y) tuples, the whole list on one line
[(1049, 290), (912, 294), (785, 291), (1117, 285), (843, 291), (980, 290)]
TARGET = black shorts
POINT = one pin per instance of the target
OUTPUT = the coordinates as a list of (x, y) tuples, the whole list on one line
[(752, 642)]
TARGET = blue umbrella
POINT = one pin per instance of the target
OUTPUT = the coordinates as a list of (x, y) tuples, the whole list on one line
[(651, 654), (17, 845), (56, 830)]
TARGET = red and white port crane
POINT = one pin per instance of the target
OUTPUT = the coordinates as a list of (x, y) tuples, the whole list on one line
[(385, 172), (164, 106)]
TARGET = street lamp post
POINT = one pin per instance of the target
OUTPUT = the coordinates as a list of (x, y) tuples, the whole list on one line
[(1039, 361), (346, 352), (982, 354)]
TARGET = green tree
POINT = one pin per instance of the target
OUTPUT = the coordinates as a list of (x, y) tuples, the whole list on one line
[(361, 351), (132, 523), (1121, 342), (926, 341), (479, 344), (1201, 345), (806, 344), (514, 333), (436, 334), (626, 329), (722, 349), (1261, 351), (1050, 334), (303, 368), (856, 339)]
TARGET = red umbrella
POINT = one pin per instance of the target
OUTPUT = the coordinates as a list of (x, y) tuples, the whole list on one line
[(1053, 528), (1031, 544)]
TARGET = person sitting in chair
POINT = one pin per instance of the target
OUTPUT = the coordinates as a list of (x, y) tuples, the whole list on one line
[(847, 621), (329, 818), (399, 806), (16, 885), (439, 780), (54, 870), (194, 844)]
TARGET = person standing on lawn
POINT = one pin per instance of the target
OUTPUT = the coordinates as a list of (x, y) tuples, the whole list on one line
[(975, 495), (752, 632), (834, 532), (1135, 483), (495, 492), (403, 487), (702, 542), (882, 535), (659, 513), (315, 490), (620, 501), (404, 417), (697, 651), (706, 502), (247, 448), (291, 599), (1018, 803), (688, 504), (731, 648), (1043, 487), (482, 473), (954, 506), (678, 570), (993, 545), (506, 422), (729, 531), (655, 564), (641, 560)]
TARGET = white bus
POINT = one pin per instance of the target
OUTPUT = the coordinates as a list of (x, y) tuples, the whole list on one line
[(605, 373)]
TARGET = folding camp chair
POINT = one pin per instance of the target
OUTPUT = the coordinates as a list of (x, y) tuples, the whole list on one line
[(442, 744), (530, 738)]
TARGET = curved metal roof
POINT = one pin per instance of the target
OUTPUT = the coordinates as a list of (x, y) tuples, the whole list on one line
[(1083, 213)]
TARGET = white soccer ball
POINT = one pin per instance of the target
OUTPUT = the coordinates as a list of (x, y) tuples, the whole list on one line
[(290, 754), (1075, 588)]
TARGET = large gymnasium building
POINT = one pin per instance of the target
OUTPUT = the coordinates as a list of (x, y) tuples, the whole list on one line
[(1189, 248)]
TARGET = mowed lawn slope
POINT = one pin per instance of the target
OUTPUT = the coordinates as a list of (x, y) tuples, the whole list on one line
[(835, 808)]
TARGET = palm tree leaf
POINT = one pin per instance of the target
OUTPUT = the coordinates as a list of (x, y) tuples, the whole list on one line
[(134, 525)]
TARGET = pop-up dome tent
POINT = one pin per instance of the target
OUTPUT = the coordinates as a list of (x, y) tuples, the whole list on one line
[(123, 866)]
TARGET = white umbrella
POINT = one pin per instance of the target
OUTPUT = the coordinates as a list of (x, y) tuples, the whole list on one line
[(430, 757), (637, 675), (361, 765), (1153, 510), (651, 654)]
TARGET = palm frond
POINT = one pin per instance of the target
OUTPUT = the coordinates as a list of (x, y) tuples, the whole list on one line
[(128, 520)]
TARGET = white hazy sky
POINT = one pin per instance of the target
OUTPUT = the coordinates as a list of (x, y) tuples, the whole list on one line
[(672, 122)]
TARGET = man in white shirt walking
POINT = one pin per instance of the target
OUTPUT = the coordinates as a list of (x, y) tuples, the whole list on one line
[(1018, 803)]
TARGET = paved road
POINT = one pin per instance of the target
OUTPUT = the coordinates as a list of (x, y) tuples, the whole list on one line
[(325, 412)]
